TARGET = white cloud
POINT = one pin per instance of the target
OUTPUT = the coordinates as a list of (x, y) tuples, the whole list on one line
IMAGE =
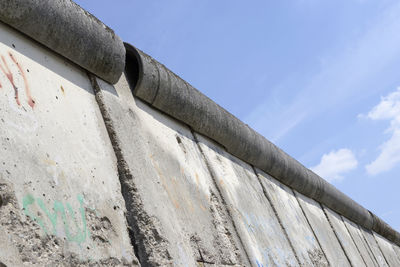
[(389, 157), (366, 57), (334, 164)]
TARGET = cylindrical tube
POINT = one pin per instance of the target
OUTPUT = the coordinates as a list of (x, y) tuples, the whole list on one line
[(154, 83), (70, 31)]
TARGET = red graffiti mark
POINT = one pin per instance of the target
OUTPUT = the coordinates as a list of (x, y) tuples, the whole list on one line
[(31, 102), (10, 77), (6, 70)]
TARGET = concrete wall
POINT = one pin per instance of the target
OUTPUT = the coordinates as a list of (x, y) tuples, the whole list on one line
[(60, 194), (206, 207), (91, 175)]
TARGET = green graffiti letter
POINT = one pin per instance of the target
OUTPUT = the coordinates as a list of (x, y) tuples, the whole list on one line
[(59, 209)]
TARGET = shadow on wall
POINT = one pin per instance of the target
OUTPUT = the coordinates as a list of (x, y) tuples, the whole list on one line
[(35, 51)]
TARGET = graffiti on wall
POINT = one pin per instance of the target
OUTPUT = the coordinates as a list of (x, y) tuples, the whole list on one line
[(59, 212), (6, 70)]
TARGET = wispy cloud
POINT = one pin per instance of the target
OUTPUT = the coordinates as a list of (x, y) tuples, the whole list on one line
[(336, 163), (343, 77), (387, 109)]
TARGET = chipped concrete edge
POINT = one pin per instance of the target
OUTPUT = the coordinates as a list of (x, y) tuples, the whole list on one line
[(161, 88), (67, 29)]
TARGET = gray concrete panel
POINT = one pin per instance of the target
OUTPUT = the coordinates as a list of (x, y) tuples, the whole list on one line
[(397, 251), (61, 201), (387, 250), (370, 239), (344, 237), (174, 209), (360, 242), (323, 231), (254, 218), (293, 220)]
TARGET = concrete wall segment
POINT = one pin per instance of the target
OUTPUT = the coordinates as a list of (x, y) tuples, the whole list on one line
[(373, 245), (345, 239), (387, 250), (72, 32), (60, 196), (65, 189), (165, 91), (176, 213), (323, 231), (292, 218), (263, 237), (360, 242), (397, 251)]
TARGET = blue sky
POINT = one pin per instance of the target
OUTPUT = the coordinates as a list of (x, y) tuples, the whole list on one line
[(318, 78)]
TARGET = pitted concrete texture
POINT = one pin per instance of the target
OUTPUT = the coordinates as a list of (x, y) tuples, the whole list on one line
[(344, 237), (370, 239), (176, 213), (397, 251), (387, 250), (9, 255), (323, 231), (361, 243), (292, 218), (60, 196), (260, 231)]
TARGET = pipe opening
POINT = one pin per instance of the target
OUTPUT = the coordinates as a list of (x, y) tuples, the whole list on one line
[(133, 66)]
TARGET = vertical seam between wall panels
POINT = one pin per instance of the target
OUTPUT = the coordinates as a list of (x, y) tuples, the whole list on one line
[(276, 214), (348, 231), (336, 234), (213, 178), (380, 249), (369, 247), (114, 143), (312, 229)]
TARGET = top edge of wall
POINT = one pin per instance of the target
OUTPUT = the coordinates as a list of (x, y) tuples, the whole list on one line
[(152, 82), (67, 29)]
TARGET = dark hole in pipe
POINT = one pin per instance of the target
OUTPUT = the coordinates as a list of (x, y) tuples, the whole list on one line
[(132, 66)]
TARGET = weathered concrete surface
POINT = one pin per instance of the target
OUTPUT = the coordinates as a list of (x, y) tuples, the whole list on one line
[(175, 211), (161, 88), (60, 196), (387, 250), (370, 239), (9, 255), (293, 220), (323, 231), (341, 232), (360, 242), (397, 251), (260, 231), (67, 29), (76, 152)]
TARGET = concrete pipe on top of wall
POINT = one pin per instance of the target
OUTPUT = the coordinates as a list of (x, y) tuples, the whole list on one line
[(69, 30), (154, 83)]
